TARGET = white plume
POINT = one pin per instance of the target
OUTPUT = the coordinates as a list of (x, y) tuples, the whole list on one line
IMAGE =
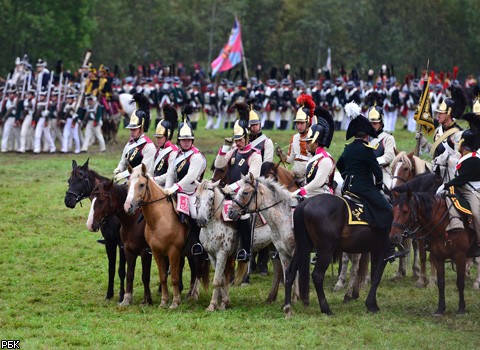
[(352, 110)]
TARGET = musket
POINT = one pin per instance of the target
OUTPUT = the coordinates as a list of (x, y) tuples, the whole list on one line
[(4, 92), (59, 98), (88, 54), (50, 84), (25, 78), (65, 91)]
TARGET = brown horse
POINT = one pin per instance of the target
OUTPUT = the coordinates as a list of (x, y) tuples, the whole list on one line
[(80, 185), (165, 235), (107, 202), (280, 174), (424, 216)]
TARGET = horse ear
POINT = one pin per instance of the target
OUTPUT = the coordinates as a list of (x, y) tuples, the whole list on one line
[(86, 164), (108, 185), (251, 177), (395, 151), (410, 155), (129, 168), (215, 184), (275, 166), (144, 169), (74, 164)]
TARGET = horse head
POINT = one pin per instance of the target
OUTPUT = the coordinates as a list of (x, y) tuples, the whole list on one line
[(404, 216), (138, 190), (79, 184), (219, 174), (403, 169), (244, 197), (205, 201), (102, 207)]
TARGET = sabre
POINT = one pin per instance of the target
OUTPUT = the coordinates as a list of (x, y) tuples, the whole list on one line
[(4, 92)]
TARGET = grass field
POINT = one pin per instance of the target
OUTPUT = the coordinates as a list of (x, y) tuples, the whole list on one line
[(53, 283)]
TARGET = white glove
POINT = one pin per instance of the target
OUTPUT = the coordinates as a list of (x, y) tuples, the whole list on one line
[(227, 190), (294, 194), (116, 171), (423, 140), (168, 191)]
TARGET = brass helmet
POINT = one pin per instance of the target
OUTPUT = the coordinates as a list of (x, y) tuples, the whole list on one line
[(185, 131), (140, 118), (375, 114), (168, 124), (306, 112), (240, 128), (253, 117)]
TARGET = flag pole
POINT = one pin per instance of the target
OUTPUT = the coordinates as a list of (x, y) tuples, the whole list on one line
[(243, 56), (419, 126)]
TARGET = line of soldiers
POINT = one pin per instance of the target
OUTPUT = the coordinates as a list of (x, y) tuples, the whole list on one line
[(37, 109)]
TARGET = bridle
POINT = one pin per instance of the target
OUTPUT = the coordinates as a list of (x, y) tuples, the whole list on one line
[(244, 208), (400, 178), (408, 232), (85, 192), (142, 201), (107, 217)]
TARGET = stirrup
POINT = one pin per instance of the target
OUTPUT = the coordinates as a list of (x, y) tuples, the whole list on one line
[(275, 254), (197, 249), (396, 255), (101, 241), (242, 255), (149, 251)]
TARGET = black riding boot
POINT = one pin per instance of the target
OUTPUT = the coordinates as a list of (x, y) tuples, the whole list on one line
[(390, 253), (194, 125), (244, 229), (262, 262), (197, 248)]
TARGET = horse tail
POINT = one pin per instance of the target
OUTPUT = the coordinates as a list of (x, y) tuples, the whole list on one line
[(301, 257), (242, 269), (204, 273)]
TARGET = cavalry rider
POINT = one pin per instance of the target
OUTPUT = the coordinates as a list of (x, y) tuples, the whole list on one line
[(384, 143), (297, 152), (443, 148), (320, 168), (186, 171), (259, 140), (139, 149), (241, 159), (467, 179), (166, 150), (363, 175)]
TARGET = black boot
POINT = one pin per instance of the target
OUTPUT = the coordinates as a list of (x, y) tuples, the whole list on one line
[(474, 250), (244, 230), (391, 254), (225, 125), (262, 262), (197, 248), (283, 124), (232, 124), (194, 125)]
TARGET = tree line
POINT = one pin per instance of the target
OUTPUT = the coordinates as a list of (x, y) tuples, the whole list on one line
[(362, 34)]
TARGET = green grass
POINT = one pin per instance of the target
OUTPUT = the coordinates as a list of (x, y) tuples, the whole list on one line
[(53, 283)]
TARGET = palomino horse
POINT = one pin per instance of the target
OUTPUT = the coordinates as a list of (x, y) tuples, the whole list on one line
[(165, 235), (220, 240), (80, 185), (107, 202), (267, 197), (321, 223), (424, 216), (405, 167)]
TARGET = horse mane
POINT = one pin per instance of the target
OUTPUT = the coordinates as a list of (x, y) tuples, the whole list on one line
[(401, 157), (90, 172), (279, 192), (203, 186), (424, 199), (266, 167), (425, 182)]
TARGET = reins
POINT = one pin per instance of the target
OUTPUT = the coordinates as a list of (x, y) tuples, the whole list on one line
[(244, 208), (81, 196), (147, 191)]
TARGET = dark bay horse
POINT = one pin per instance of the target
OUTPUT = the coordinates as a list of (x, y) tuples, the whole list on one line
[(424, 216), (320, 223), (280, 174), (80, 185), (107, 202)]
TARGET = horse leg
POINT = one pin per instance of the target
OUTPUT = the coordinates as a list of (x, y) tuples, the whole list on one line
[(229, 271), (174, 257), (476, 283), (277, 277), (402, 265), (162, 262), (422, 278), (354, 282), (378, 266), (440, 266), (121, 270), (131, 262), (218, 277), (111, 250), (318, 276), (460, 262), (342, 276), (432, 281), (416, 264), (146, 268)]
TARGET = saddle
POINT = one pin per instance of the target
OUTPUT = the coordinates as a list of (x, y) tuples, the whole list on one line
[(459, 202), (356, 214)]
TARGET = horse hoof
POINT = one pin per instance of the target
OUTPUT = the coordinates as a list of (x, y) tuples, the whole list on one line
[(461, 312), (398, 277), (476, 285), (148, 302), (373, 309), (287, 310), (163, 305), (438, 314), (223, 306), (173, 306), (338, 287), (210, 308), (347, 299), (420, 284)]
